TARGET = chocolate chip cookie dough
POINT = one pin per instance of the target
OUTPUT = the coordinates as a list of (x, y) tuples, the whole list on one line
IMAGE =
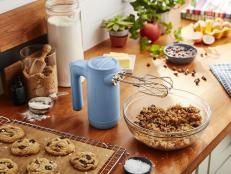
[(84, 161), (25, 147), (7, 166), (42, 166), (60, 146), (10, 133)]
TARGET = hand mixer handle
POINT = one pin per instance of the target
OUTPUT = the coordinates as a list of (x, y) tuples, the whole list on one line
[(77, 69)]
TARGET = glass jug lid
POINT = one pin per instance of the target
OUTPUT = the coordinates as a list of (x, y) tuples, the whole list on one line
[(103, 63)]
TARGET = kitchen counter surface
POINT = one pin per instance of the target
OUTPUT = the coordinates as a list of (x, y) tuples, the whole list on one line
[(181, 161)]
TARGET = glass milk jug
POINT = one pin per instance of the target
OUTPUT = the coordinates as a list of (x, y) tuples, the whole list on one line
[(64, 34)]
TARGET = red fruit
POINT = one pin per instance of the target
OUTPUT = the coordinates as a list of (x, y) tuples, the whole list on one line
[(151, 31)]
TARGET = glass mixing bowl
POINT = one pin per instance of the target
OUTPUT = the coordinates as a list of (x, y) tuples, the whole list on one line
[(162, 140)]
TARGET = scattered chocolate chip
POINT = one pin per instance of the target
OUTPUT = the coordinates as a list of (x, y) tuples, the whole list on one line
[(206, 53), (22, 147), (49, 143), (48, 167), (165, 66), (193, 74), (148, 65), (174, 68), (176, 74), (154, 58), (36, 161), (197, 81), (204, 78), (62, 137), (202, 55)]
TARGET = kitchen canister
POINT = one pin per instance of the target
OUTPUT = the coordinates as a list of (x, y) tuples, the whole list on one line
[(64, 34)]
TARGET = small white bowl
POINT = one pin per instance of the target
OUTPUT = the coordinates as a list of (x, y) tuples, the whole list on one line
[(40, 105)]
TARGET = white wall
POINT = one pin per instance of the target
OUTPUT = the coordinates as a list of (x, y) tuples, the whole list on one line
[(92, 14)]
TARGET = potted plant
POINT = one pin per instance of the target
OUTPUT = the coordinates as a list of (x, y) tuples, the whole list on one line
[(147, 21), (118, 27)]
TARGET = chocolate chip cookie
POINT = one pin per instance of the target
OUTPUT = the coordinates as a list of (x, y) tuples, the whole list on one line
[(42, 166), (60, 146), (7, 166), (10, 133), (84, 161), (25, 147)]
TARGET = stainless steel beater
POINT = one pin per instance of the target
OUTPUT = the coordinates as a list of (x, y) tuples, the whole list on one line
[(148, 84)]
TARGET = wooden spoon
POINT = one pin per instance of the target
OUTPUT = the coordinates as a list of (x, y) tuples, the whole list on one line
[(39, 64)]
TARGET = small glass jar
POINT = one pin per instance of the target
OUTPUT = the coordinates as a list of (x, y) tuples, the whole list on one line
[(65, 35)]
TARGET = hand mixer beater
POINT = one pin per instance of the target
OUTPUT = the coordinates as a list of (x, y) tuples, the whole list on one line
[(148, 84)]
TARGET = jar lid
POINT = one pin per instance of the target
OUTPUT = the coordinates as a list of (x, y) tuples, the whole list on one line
[(62, 6)]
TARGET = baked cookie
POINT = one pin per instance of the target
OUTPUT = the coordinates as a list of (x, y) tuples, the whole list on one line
[(42, 166), (60, 146), (25, 147), (10, 133), (84, 161), (7, 166)]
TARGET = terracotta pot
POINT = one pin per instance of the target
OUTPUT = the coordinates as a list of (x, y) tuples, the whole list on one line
[(119, 39)]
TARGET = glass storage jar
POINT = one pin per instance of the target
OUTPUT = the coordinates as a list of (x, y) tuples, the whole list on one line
[(64, 34)]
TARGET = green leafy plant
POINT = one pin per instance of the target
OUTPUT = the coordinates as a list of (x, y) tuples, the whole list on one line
[(156, 50), (117, 23), (178, 34), (150, 11)]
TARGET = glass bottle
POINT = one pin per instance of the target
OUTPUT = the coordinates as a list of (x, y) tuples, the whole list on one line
[(64, 34)]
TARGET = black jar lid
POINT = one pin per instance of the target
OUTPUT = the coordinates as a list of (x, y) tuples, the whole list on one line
[(142, 159)]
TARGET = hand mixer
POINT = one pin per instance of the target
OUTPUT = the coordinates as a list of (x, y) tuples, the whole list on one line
[(103, 89), (148, 84)]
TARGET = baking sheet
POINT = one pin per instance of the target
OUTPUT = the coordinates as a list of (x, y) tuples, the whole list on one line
[(107, 155)]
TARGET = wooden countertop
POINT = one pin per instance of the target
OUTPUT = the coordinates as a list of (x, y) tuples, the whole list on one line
[(182, 161)]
